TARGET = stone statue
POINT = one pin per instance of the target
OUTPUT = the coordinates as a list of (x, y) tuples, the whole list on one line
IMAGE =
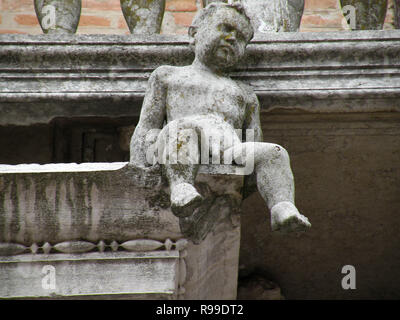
[(183, 103)]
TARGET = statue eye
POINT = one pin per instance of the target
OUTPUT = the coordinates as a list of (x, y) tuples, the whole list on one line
[(227, 28)]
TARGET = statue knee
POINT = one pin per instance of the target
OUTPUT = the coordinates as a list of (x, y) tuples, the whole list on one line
[(271, 151), (280, 152)]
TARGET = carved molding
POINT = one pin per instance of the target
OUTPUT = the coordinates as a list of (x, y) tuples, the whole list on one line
[(80, 247), (182, 273), (137, 245), (319, 72)]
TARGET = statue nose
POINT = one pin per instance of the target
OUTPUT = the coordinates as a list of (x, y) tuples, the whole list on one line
[(231, 37)]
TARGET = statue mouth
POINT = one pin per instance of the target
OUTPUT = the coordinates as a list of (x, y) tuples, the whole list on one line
[(227, 49), (227, 46)]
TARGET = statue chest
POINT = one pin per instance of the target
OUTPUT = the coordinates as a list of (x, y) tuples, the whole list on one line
[(190, 98)]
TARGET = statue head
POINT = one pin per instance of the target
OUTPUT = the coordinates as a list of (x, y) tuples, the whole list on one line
[(220, 33)]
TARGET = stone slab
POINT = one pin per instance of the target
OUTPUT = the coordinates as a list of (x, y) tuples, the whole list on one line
[(98, 206), (109, 202), (91, 275)]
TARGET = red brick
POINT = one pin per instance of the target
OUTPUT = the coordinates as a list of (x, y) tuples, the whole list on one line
[(26, 19), (319, 21), (107, 5), (183, 18), (122, 23), (181, 31), (321, 4), (389, 16), (94, 21), (5, 31), (181, 5), (18, 5)]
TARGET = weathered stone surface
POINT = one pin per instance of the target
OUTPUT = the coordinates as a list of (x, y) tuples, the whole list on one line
[(347, 169), (212, 266), (150, 275), (207, 2), (143, 17), (65, 19), (257, 287), (275, 15), (113, 207), (369, 14), (396, 19), (62, 202), (56, 203)]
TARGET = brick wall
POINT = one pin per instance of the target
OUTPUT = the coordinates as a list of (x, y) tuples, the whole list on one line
[(105, 16)]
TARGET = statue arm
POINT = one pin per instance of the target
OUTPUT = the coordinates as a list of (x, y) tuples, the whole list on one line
[(152, 117), (252, 121)]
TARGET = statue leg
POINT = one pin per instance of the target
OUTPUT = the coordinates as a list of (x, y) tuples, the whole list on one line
[(275, 183), (179, 147)]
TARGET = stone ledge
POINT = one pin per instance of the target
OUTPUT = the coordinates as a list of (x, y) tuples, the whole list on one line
[(43, 77), (63, 202), (61, 167), (76, 209), (148, 275)]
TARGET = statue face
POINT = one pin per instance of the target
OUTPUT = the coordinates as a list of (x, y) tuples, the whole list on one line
[(221, 39)]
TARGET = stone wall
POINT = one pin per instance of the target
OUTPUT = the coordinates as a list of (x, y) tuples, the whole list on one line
[(347, 176), (105, 17)]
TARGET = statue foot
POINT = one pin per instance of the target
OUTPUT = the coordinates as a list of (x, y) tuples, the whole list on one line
[(286, 218), (184, 199)]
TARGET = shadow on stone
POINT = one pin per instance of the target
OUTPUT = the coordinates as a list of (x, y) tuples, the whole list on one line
[(257, 287)]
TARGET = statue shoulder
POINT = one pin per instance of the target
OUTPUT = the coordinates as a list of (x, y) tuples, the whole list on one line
[(163, 74), (164, 71), (248, 92)]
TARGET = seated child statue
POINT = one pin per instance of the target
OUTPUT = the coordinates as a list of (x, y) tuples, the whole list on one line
[(203, 97)]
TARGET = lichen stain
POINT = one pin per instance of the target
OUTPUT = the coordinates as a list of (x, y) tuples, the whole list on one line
[(159, 200), (29, 200), (50, 191), (14, 222), (3, 186), (23, 184), (46, 218), (97, 208), (143, 16), (80, 202), (63, 209)]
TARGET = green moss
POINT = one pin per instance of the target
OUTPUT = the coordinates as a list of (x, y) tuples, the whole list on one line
[(130, 12), (161, 200)]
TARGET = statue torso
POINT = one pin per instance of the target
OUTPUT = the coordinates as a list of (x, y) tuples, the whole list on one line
[(192, 92)]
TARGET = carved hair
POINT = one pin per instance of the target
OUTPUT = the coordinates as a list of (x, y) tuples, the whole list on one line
[(201, 17)]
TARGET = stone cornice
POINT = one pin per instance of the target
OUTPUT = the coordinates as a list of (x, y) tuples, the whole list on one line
[(318, 72)]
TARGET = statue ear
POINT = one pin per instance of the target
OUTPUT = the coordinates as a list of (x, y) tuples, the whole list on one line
[(192, 31)]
